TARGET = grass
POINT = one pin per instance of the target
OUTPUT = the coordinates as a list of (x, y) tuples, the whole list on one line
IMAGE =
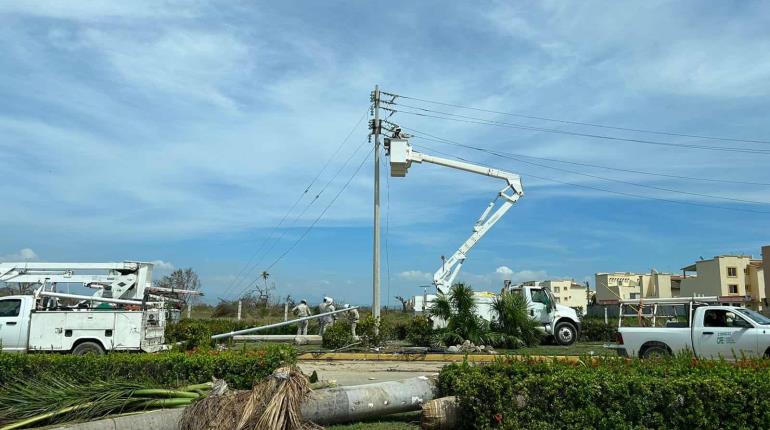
[(405, 421)]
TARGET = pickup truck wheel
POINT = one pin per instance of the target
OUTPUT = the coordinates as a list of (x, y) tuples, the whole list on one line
[(88, 348), (565, 334), (655, 351)]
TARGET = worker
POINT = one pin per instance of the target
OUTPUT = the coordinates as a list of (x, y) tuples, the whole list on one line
[(325, 321), (302, 310), (353, 317)]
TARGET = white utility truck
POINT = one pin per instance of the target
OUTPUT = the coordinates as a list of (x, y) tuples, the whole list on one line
[(558, 321), (125, 314), (705, 328)]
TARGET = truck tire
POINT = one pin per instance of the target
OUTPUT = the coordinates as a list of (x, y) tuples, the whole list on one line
[(655, 351), (86, 348), (565, 334)]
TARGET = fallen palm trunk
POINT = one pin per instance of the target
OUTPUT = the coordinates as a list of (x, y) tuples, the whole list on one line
[(358, 402), (439, 414)]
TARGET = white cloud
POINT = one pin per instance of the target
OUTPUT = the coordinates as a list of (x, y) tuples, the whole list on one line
[(163, 266), (504, 270), (415, 276), (25, 254)]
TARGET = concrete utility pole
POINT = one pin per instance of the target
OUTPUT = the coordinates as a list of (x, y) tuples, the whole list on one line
[(376, 257)]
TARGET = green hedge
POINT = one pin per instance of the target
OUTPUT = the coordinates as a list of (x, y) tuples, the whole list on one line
[(239, 369), (595, 330), (679, 393)]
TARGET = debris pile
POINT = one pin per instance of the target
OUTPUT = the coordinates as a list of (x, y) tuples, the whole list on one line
[(469, 347)]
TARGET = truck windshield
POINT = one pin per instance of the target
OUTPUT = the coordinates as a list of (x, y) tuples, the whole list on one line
[(756, 316)]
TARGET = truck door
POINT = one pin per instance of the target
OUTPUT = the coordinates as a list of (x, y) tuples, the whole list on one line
[(724, 333), (11, 325), (538, 305)]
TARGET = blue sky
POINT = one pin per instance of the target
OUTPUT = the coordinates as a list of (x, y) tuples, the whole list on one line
[(183, 132)]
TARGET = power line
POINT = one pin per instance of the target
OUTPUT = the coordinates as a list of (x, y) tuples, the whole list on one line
[(482, 121), (238, 279), (513, 157), (503, 155), (310, 227), (588, 124), (692, 178)]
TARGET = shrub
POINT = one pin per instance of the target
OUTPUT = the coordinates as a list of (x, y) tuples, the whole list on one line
[(679, 393), (513, 320), (420, 332), (337, 335), (595, 330), (240, 369), (458, 308), (370, 336)]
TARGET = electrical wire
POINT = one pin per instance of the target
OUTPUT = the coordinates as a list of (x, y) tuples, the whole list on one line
[(562, 121), (664, 175), (503, 155), (238, 280), (310, 227), (482, 121), (513, 157)]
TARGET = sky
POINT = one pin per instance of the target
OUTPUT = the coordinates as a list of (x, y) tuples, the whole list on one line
[(186, 133)]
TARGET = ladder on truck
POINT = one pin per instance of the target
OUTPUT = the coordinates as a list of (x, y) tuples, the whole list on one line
[(653, 305)]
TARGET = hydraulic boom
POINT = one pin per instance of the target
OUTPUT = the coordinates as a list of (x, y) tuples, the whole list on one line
[(401, 158)]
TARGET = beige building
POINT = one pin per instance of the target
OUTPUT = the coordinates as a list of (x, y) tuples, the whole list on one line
[(735, 279), (611, 287), (566, 292)]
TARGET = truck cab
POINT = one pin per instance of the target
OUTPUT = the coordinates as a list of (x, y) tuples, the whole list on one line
[(712, 332), (557, 321), (15, 312)]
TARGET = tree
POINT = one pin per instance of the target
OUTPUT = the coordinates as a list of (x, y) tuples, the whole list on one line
[(458, 309), (403, 301), (182, 279), (17, 288), (514, 322)]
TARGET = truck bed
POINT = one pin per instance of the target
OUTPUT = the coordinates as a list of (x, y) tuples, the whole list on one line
[(676, 338)]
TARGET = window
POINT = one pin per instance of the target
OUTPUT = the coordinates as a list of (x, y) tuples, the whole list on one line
[(10, 308), (733, 288), (634, 296), (732, 272), (557, 300), (723, 318), (539, 296), (555, 289)]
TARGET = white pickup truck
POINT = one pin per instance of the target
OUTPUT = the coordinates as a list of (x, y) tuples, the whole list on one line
[(24, 327), (713, 332)]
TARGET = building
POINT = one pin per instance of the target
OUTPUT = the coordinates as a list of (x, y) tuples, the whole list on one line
[(736, 279), (766, 267), (611, 287), (565, 292)]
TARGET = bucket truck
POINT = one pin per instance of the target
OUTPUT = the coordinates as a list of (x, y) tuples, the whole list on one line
[(126, 313), (556, 320)]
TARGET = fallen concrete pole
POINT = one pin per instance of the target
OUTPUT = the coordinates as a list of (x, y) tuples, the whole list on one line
[(326, 406), (280, 324), (440, 414), (358, 402), (308, 339)]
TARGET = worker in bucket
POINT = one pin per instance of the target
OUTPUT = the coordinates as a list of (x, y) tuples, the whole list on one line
[(302, 310), (325, 321), (353, 317)]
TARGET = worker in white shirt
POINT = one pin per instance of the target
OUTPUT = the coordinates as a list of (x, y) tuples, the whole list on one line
[(325, 321), (353, 317), (302, 310)]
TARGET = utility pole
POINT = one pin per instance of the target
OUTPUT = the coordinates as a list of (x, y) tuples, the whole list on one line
[(376, 254)]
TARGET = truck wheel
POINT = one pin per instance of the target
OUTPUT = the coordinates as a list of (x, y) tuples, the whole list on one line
[(565, 334), (655, 351), (88, 348)]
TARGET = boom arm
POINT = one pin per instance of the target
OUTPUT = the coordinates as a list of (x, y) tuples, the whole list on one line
[(401, 157)]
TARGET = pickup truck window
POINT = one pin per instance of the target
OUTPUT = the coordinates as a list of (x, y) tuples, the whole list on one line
[(756, 316), (10, 307), (723, 318), (539, 296)]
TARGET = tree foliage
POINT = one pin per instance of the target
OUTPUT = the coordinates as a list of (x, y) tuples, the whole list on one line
[(182, 279), (513, 320), (458, 309)]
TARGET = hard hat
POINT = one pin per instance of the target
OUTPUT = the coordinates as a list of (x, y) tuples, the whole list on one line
[(346, 306), (303, 301)]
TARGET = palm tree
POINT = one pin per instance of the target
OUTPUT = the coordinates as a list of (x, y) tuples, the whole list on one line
[(458, 309), (513, 322)]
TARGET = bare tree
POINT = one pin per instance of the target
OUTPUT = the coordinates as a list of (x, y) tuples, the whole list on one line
[(403, 301), (182, 279), (17, 288)]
